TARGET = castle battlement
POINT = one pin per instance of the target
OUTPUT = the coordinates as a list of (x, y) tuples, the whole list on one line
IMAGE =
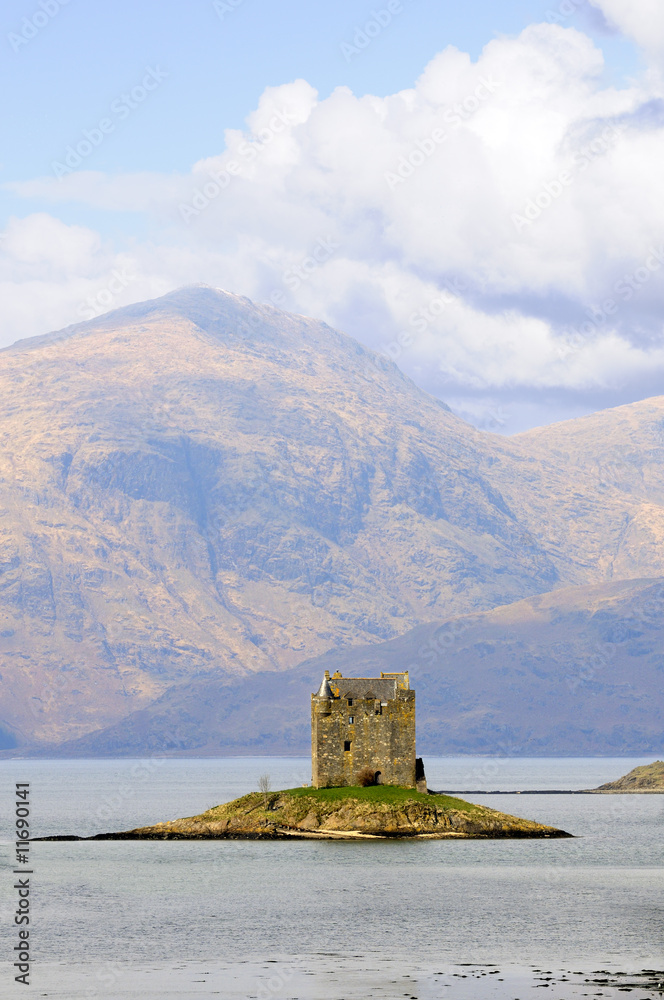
[(363, 722)]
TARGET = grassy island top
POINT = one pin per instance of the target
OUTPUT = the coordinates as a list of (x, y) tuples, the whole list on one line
[(390, 794), (375, 811)]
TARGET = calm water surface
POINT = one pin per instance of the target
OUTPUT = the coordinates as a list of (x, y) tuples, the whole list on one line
[(309, 919)]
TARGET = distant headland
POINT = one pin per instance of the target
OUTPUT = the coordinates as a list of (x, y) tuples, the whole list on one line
[(649, 778), (643, 780)]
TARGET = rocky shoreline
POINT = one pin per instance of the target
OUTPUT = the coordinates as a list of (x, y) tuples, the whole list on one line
[(378, 813)]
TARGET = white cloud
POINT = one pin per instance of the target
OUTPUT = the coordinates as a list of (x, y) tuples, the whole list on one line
[(642, 20), (143, 192), (52, 275), (43, 242), (470, 222)]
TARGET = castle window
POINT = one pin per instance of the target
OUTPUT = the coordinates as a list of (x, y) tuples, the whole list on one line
[(351, 720), (350, 702), (346, 745)]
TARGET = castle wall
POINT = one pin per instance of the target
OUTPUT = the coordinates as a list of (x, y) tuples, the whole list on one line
[(381, 736)]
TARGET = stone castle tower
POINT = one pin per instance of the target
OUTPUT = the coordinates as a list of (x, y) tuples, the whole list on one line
[(360, 722)]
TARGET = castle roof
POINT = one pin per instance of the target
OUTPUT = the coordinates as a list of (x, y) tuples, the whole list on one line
[(325, 691), (382, 689)]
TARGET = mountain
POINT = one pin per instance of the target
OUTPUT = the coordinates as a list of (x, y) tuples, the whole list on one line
[(622, 449), (577, 671), (197, 489)]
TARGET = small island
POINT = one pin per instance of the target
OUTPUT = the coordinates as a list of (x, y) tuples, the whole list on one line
[(647, 779), (366, 782), (375, 812)]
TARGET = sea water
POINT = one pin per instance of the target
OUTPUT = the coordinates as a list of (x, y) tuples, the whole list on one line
[(329, 919)]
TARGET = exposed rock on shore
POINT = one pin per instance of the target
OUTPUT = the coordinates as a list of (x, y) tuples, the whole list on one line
[(332, 813)]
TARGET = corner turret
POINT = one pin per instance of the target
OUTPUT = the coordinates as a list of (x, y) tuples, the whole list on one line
[(325, 691)]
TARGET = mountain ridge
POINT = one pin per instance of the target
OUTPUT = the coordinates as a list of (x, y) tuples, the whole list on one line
[(198, 485), (586, 662)]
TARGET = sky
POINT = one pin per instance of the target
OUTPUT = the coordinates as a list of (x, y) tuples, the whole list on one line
[(473, 190)]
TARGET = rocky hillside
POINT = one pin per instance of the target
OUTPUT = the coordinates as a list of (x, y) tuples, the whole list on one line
[(196, 489), (622, 448), (647, 778), (577, 671)]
